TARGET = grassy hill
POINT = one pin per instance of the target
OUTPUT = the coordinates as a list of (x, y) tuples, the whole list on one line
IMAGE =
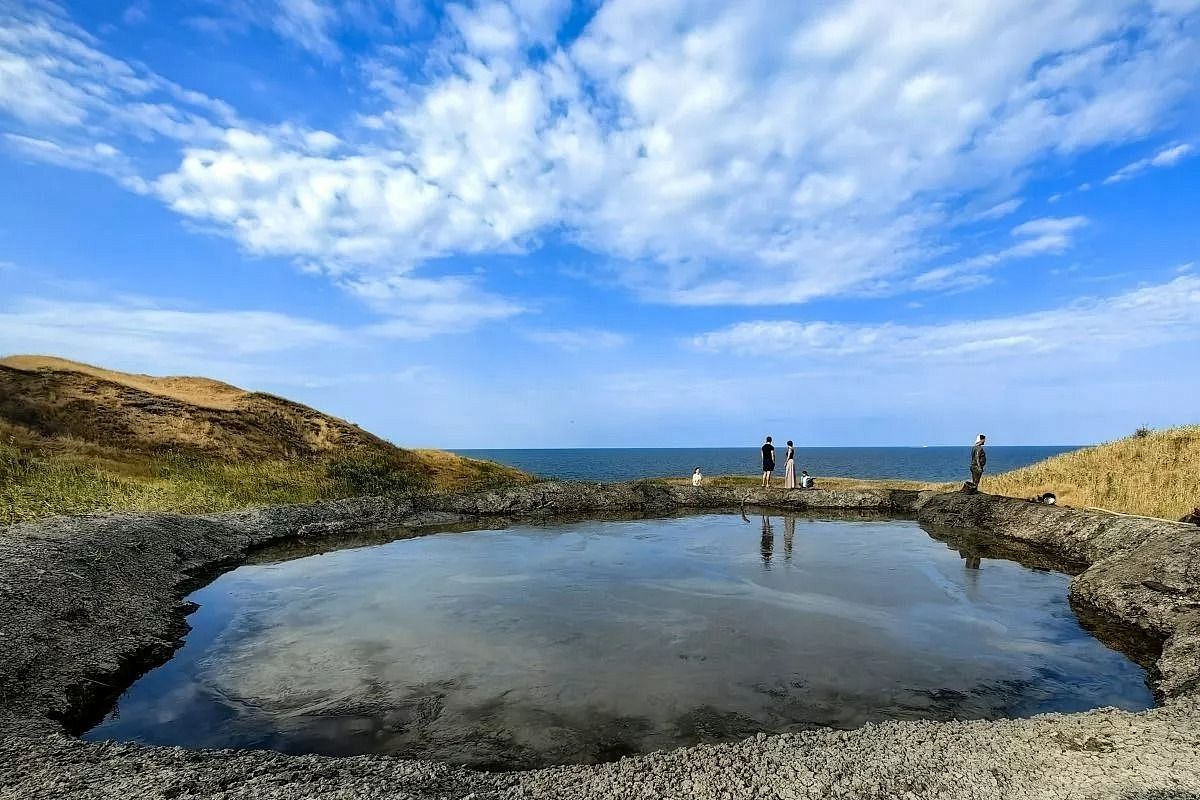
[(76, 438), (1153, 473)]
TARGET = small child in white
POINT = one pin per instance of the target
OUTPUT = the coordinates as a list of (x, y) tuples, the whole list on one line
[(697, 478)]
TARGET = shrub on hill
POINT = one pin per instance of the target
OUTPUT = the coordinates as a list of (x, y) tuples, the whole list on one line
[(367, 473)]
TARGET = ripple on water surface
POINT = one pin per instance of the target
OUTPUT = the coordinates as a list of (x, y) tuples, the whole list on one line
[(583, 642)]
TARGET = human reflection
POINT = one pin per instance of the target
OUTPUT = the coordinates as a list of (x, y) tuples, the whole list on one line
[(973, 563), (768, 541), (789, 534)]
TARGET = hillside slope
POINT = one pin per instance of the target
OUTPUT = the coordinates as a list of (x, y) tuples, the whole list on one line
[(76, 438), (56, 397), (1156, 474)]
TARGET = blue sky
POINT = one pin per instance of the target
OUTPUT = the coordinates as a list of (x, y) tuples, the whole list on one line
[(531, 223)]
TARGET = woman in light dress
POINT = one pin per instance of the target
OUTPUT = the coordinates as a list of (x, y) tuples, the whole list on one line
[(789, 467)]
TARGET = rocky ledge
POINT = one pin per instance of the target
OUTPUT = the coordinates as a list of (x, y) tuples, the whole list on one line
[(87, 603)]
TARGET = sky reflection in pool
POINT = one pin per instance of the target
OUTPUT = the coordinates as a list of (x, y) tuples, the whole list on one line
[(586, 641)]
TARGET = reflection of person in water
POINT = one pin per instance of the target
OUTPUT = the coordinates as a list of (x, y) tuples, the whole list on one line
[(972, 563), (768, 541), (789, 534)]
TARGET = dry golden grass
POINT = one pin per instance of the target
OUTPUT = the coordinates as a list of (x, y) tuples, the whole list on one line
[(1156, 475), (203, 392), (56, 397)]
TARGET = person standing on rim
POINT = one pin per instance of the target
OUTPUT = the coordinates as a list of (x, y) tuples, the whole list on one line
[(768, 454), (789, 467), (978, 460)]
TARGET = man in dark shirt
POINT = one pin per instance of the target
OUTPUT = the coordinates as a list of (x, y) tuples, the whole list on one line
[(768, 454), (978, 460)]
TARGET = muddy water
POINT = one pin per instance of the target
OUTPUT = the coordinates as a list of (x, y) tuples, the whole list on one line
[(587, 641)]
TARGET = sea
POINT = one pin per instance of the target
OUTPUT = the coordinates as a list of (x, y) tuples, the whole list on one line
[(604, 464)]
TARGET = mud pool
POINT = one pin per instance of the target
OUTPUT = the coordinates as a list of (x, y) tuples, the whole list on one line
[(583, 642)]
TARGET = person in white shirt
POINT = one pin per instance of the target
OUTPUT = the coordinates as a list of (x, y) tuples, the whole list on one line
[(806, 481), (697, 478), (789, 467)]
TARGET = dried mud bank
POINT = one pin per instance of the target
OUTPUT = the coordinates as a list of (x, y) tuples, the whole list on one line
[(88, 602)]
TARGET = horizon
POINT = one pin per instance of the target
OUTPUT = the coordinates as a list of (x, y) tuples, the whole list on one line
[(527, 222), (798, 447)]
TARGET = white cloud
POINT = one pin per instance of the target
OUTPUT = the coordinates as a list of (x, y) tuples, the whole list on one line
[(1000, 210), (124, 331), (661, 137), (250, 347), (54, 77), (311, 25), (307, 23), (317, 27), (489, 29), (136, 13), (578, 340), (1167, 157), (97, 157), (371, 209), (737, 154), (1045, 235), (1106, 328), (419, 308)]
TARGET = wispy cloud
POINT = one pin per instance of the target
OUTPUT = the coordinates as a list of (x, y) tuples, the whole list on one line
[(98, 157), (136, 12), (578, 340), (1046, 235), (138, 332), (306, 22), (56, 78), (1000, 210), (1167, 157), (315, 27), (1106, 327), (417, 308)]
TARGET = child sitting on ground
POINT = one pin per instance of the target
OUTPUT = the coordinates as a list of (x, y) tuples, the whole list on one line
[(697, 478)]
